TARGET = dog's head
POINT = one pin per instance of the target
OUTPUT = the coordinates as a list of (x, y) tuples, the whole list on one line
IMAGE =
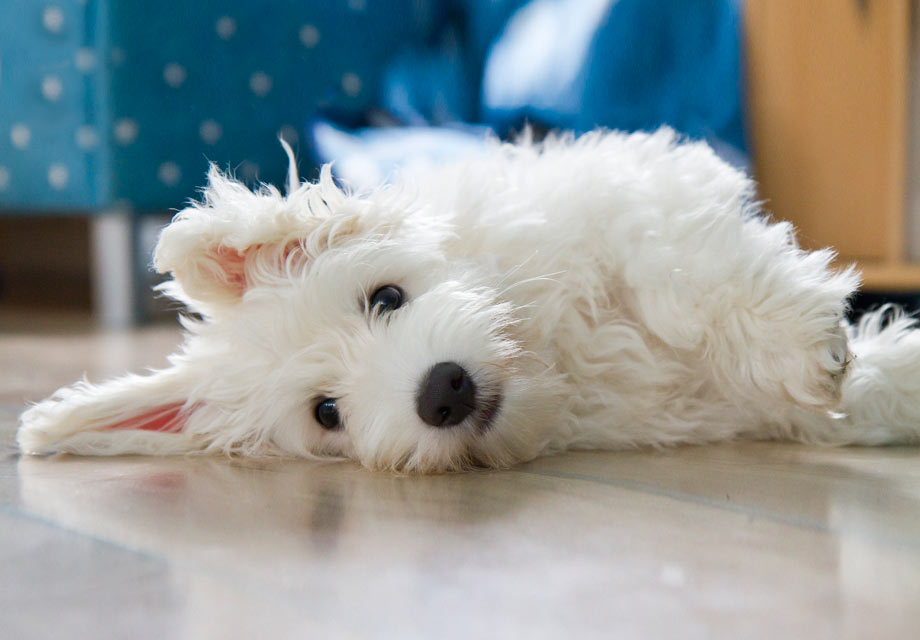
[(342, 325)]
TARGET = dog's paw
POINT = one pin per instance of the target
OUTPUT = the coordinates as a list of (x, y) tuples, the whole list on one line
[(825, 367), (835, 359)]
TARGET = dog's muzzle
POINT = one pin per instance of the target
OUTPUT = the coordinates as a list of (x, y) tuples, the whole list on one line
[(446, 396)]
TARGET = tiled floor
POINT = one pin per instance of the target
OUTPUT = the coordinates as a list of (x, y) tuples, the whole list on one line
[(734, 541)]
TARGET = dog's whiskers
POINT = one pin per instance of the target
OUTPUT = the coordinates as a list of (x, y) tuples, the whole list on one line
[(544, 278), (497, 365), (517, 268)]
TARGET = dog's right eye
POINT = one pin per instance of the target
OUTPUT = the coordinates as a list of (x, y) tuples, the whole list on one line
[(386, 298), (327, 414)]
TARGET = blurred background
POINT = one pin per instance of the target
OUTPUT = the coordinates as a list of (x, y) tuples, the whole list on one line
[(111, 111)]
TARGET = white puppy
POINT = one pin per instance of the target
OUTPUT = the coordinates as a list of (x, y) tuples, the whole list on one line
[(606, 292)]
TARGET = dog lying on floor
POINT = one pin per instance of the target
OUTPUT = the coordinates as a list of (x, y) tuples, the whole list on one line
[(602, 292)]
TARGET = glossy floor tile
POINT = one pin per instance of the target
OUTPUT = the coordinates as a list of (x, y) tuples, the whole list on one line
[(748, 540)]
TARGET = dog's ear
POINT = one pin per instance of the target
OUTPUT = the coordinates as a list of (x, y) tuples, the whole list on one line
[(133, 414), (217, 248)]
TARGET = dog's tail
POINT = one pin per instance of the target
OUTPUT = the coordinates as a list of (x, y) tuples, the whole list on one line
[(880, 395)]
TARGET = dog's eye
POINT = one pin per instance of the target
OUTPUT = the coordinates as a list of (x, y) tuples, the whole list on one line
[(386, 298), (327, 414)]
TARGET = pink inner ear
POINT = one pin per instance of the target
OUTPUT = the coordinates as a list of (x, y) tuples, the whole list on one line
[(292, 248), (167, 418), (233, 266)]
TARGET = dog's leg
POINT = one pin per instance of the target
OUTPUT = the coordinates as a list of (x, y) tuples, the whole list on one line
[(760, 317), (880, 393), (764, 321)]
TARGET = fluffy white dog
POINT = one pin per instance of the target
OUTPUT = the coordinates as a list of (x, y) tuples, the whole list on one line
[(608, 291)]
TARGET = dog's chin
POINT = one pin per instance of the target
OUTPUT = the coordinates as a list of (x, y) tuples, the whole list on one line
[(466, 438)]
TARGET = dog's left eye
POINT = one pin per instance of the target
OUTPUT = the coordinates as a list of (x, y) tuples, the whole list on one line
[(327, 414), (386, 298)]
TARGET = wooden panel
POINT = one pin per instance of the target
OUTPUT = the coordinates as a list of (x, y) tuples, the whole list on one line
[(893, 277), (827, 83)]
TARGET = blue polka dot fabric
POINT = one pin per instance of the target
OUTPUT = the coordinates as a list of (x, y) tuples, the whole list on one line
[(106, 102)]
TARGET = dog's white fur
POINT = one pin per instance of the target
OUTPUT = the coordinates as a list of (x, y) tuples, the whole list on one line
[(608, 291)]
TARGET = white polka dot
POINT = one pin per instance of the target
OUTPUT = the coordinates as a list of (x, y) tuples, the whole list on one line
[(4, 178), (86, 137), (174, 75), (52, 88), (125, 131), (169, 174), (58, 176), (118, 56), (53, 19), (84, 60), (289, 134), (351, 84), (356, 5), (225, 27), (20, 136), (309, 36), (260, 83), (249, 170), (210, 131)]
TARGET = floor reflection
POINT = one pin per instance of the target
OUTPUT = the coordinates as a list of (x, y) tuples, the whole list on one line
[(702, 539)]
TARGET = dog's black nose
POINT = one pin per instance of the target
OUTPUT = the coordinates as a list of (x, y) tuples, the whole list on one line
[(447, 395)]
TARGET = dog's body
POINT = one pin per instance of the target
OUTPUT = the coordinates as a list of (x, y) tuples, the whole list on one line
[(606, 292)]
